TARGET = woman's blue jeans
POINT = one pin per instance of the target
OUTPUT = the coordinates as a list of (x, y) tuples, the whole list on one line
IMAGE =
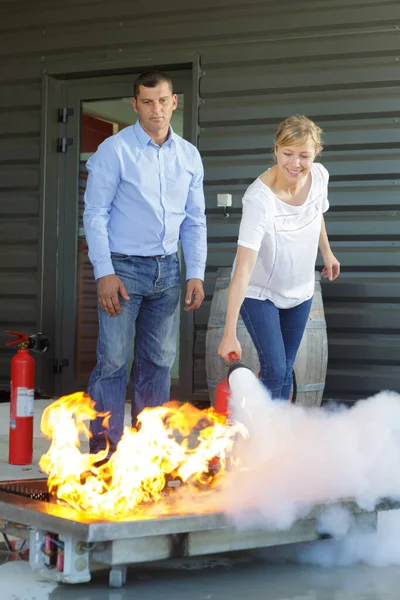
[(149, 317), (276, 335)]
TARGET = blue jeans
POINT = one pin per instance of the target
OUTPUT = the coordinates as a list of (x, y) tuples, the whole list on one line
[(276, 335), (150, 316)]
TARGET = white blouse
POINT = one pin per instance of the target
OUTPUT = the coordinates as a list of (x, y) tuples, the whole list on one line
[(286, 238)]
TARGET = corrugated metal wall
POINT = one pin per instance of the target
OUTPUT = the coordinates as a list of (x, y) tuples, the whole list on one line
[(334, 60)]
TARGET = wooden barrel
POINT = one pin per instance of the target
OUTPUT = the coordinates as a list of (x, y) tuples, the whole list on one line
[(312, 357)]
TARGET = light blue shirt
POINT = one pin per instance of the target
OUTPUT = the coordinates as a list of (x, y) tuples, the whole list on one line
[(141, 198)]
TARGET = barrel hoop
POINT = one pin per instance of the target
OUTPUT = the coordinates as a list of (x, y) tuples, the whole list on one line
[(213, 382), (311, 387), (220, 323), (320, 324)]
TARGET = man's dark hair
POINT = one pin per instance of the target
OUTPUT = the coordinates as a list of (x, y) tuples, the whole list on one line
[(151, 79)]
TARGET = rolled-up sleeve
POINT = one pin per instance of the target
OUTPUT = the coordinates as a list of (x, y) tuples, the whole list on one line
[(325, 181), (103, 180), (193, 231), (254, 221)]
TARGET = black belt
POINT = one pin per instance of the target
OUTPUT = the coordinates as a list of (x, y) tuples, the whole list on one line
[(156, 256)]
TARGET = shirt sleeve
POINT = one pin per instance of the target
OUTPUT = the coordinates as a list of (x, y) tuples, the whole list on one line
[(325, 180), (193, 231), (103, 180), (254, 221)]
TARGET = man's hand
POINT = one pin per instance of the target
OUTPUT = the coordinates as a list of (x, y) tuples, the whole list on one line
[(108, 288), (194, 294)]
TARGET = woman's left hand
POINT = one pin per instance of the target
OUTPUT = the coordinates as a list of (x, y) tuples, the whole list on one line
[(331, 269)]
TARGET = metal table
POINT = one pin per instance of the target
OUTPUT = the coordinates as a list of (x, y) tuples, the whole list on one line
[(26, 511)]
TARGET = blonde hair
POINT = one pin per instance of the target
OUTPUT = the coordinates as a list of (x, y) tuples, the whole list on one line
[(298, 130)]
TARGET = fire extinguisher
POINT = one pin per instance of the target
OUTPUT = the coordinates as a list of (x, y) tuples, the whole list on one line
[(221, 404), (223, 390), (22, 396)]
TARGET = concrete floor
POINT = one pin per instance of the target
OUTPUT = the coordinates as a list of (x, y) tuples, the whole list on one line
[(242, 576), (239, 577), (245, 579)]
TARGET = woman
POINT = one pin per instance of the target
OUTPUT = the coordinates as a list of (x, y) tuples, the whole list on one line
[(281, 229)]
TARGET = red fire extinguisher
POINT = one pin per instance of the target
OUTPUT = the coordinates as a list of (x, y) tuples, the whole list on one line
[(22, 396), (223, 391)]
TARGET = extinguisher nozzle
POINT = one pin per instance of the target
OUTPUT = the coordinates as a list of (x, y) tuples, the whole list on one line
[(236, 365)]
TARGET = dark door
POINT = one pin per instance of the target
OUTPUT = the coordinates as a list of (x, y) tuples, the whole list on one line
[(98, 108)]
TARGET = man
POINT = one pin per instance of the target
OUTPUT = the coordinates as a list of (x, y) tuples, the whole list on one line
[(144, 192)]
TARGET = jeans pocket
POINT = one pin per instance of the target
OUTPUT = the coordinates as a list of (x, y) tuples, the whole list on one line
[(119, 256)]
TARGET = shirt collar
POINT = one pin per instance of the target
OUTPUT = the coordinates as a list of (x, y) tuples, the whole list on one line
[(144, 137)]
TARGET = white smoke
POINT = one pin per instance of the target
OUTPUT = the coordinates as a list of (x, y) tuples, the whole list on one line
[(380, 549), (350, 544), (298, 457)]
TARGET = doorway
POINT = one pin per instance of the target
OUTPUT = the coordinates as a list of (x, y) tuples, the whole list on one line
[(96, 108)]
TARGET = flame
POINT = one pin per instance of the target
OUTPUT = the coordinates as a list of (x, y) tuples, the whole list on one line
[(175, 442)]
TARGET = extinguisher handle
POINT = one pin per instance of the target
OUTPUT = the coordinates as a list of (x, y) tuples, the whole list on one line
[(38, 342), (232, 356), (21, 337)]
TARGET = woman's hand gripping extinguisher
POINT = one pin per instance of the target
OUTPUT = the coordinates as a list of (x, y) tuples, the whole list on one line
[(22, 396)]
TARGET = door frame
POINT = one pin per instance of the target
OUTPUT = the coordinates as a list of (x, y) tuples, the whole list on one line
[(59, 225)]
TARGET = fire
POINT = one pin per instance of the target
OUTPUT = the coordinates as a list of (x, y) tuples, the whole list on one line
[(175, 443)]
